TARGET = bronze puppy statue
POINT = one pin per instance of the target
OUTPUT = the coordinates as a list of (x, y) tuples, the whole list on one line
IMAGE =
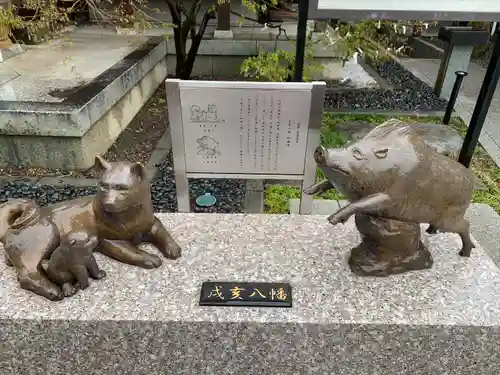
[(393, 173), (73, 260), (120, 215)]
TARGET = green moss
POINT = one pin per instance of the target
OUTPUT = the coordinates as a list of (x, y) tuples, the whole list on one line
[(276, 197)]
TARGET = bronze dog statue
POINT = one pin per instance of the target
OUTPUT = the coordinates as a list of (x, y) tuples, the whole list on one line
[(120, 215), (73, 260)]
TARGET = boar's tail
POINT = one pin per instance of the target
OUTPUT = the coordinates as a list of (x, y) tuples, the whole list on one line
[(16, 213), (478, 184)]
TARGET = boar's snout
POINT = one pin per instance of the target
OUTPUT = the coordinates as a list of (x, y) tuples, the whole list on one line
[(319, 155), (335, 158)]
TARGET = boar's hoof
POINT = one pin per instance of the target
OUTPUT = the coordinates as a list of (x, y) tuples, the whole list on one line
[(311, 190), (432, 229), (466, 250), (337, 218)]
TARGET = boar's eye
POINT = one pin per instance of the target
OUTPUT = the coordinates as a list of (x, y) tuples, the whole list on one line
[(356, 152), (382, 153), (104, 186), (121, 187)]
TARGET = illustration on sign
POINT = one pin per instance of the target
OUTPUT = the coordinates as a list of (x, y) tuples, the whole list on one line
[(209, 115), (207, 146), (246, 294)]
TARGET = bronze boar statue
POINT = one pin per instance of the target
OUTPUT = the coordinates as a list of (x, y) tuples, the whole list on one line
[(393, 174), (120, 215)]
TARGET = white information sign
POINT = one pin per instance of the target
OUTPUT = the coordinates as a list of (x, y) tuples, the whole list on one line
[(445, 10), (244, 130)]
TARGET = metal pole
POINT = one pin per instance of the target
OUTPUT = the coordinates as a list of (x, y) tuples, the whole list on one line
[(301, 39), (454, 94), (482, 105)]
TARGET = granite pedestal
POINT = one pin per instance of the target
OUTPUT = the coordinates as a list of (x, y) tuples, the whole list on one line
[(146, 322)]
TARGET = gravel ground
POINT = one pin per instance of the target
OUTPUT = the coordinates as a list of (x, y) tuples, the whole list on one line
[(229, 193), (409, 93)]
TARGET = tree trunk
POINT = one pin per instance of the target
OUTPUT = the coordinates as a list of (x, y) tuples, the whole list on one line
[(180, 52), (185, 62), (224, 16)]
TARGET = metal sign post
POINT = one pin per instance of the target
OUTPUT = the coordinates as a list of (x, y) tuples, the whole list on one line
[(482, 105), (301, 40), (244, 130), (443, 10)]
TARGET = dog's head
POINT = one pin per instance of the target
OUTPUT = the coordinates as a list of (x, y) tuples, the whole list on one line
[(82, 241), (122, 185)]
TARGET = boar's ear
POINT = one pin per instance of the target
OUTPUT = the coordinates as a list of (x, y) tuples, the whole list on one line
[(138, 170), (101, 163), (92, 241)]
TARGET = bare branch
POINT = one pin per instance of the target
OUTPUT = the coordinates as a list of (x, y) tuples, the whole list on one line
[(269, 25), (176, 17)]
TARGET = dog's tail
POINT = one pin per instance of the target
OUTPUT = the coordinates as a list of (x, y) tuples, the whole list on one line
[(16, 214)]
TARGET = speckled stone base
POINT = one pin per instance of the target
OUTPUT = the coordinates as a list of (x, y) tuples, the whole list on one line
[(445, 320), (388, 247)]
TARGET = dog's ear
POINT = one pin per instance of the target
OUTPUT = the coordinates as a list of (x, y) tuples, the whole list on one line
[(101, 163), (138, 170)]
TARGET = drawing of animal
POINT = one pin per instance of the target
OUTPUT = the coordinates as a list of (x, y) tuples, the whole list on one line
[(212, 113), (196, 113), (208, 146)]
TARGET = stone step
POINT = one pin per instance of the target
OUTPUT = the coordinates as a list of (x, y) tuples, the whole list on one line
[(136, 321)]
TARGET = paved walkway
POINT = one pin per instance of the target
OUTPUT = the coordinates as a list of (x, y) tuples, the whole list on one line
[(427, 69), (49, 72)]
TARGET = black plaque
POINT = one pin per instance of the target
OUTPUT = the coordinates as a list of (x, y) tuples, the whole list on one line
[(225, 293)]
